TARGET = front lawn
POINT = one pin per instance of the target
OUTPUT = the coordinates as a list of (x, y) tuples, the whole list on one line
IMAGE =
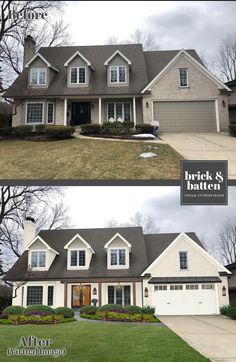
[(86, 159), (103, 342)]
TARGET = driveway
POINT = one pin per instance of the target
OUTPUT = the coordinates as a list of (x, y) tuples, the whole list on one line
[(212, 336), (204, 146)]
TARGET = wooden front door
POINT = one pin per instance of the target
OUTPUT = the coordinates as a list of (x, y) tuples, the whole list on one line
[(80, 295)]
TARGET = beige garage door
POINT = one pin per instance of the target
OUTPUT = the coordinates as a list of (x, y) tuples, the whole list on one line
[(194, 116)]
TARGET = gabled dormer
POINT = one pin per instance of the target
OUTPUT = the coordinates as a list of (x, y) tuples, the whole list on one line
[(40, 72), (40, 255), (118, 66), (118, 252), (79, 70), (79, 253)]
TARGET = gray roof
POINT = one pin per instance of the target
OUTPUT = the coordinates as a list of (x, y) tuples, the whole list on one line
[(145, 248), (188, 280), (145, 66)]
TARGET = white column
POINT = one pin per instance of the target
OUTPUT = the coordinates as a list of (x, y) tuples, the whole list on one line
[(100, 110), (65, 112), (134, 111)]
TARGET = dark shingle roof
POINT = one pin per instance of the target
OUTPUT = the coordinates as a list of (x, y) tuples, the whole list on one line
[(188, 280), (144, 249)]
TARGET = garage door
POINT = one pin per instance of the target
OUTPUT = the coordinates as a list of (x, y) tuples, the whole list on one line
[(197, 116), (185, 299)]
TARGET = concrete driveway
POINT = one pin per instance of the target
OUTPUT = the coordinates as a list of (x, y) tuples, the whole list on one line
[(212, 336), (204, 146)]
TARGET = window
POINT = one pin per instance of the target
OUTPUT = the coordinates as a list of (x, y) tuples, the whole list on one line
[(34, 295), (38, 76), (208, 286), (119, 295), (183, 77), (50, 295), (118, 74), (160, 287), (176, 287), (118, 257), (191, 287), (50, 113), (78, 75), (119, 110), (34, 113), (183, 260), (38, 259), (77, 258)]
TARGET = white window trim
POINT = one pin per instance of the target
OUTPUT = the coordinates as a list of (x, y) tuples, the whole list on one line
[(38, 72), (26, 111), (117, 72), (53, 296), (188, 287), (156, 288), (184, 86), (123, 294), (78, 83), (126, 266), (53, 113), (38, 267), (172, 287), (26, 293), (76, 267), (123, 110), (183, 251)]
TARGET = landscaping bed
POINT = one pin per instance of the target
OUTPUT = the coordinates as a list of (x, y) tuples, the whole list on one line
[(229, 311), (38, 133)]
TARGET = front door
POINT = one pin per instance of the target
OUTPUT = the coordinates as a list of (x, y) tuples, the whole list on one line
[(80, 295), (80, 113)]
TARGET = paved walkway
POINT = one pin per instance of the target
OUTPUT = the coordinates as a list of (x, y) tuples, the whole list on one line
[(204, 146), (212, 336)]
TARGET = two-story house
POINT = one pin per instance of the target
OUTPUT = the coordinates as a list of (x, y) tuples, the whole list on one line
[(172, 272), (74, 85)]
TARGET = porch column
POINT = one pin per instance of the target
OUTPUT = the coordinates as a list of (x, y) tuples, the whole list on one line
[(134, 111), (100, 110), (134, 293), (65, 112), (65, 294), (99, 294)]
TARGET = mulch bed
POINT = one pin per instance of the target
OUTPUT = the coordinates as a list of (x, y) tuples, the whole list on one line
[(118, 137)]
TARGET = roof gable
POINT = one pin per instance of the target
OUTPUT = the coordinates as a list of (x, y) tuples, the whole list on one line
[(38, 55), (117, 52), (38, 238), (77, 53), (81, 239), (117, 235)]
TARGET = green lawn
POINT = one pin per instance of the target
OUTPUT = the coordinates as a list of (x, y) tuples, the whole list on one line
[(97, 342), (86, 159)]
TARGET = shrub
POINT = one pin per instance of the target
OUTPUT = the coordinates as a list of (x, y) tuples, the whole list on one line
[(5, 321), (67, 320), (90, 128), (148, 310), (40, 128), (13, 310), (89, 309), (65, 311), (144, 128), (90, 316), (134, 309), (224, 310), (232, 130), (38, 310), (5, 131), (113, 308), (128, 125), (59, 131), (231, 312), (22, 131)]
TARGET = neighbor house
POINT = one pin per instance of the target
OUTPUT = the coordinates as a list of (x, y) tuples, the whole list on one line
[(232, 283), (232, 101), (74, 85), (172, 272)]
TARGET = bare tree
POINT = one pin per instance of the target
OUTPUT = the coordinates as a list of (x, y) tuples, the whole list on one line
[(226, 58), (226, 243)]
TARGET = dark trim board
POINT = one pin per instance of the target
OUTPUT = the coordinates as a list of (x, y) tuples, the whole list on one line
[(187, 280)]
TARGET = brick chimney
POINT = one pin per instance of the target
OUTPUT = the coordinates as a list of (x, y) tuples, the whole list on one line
[(29, 231), (29, 49)]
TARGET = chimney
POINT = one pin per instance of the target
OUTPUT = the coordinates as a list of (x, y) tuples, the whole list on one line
[(29, 49), (29, 231)]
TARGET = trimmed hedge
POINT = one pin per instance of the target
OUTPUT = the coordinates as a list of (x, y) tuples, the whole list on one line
[(229, 311), (13, 310), (65, 311), (148, 310), (40, 310), (90, 128), (40, 128), (232, 130), (6, 131), (224, 309), (133, 309), (144, 128), (22, 131), (89, 309), (59, 131), (112, 308)]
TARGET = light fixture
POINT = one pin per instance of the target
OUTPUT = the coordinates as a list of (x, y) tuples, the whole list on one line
[(224, 291), (146, 292), (147, 104), (223, 103), (94, 291), (118, 285)]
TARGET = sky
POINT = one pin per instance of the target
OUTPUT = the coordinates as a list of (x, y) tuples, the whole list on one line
[(174, 24)]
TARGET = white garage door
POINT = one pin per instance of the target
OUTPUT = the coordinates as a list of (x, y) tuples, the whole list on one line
[(183, 299), (192, 116)]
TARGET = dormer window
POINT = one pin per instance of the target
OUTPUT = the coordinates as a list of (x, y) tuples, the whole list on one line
[(77, 258), (38, 259), (38, 76), (183, 77), (118, 74), (118, 257), (78, 75)]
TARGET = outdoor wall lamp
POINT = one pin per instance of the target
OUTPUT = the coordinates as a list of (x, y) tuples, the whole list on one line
[(146, 292), (223, 103), (147, 104), (118, 285), (92, 106), (94, 291), (224, 291)]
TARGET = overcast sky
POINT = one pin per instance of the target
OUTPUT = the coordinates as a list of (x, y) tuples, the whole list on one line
[(175, 24)]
